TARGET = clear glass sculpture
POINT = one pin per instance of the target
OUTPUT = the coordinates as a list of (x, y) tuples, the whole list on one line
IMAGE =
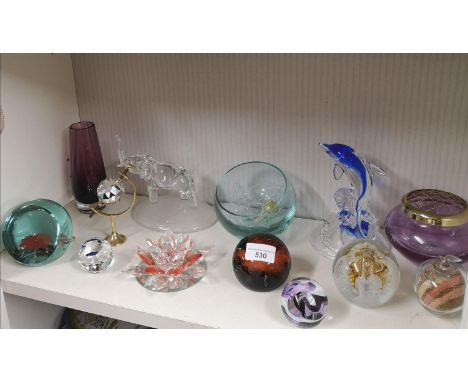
[(255, 197), (366, 273), (304, 302), (37, 232), (354, 219), (178, 213), (95, 255), (440, 285), (429, 223), (169, 264)]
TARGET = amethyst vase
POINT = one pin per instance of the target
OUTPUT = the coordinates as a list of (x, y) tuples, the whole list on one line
[(429, 224), (86, 164)]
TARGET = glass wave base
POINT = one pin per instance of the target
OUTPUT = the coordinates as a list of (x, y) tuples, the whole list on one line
[(170, 213), (327, 240)]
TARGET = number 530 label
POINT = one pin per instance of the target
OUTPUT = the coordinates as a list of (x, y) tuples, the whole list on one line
[(260, 252)]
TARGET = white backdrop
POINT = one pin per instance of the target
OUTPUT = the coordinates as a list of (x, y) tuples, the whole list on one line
[(406, 113), (38, 99)]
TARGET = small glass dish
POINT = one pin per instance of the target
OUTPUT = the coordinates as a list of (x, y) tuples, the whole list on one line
[(254, 197), (428, 224), (169, 264), (37, 232), (95, 255)]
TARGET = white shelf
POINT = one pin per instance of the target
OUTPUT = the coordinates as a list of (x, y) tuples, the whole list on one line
[(218, 301)]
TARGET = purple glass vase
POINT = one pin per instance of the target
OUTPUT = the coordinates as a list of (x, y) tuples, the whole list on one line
[(86, 164), (429, 224)]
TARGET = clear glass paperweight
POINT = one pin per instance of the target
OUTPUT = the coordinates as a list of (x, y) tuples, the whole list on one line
[(428, 224), (37, 232), (366, 273), (169, 264), (261, 262), (440, 285), (172, 203), (95, 255), (304, 302), (255, 197), (354, 219)]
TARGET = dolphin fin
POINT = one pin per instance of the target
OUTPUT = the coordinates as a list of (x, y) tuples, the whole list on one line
[(338, 171), (376, 170), (344, 198)]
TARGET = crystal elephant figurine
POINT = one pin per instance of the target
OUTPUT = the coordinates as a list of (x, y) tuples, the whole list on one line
[(158, 175)]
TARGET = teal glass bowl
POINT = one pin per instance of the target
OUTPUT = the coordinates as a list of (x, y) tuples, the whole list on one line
[(37, 232), (254, 197)]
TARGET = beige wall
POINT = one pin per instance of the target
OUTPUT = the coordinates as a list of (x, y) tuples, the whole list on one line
[(38, 99), (407, 113)]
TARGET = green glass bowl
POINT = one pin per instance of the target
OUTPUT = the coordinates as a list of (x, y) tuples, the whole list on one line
[(37, 232), (254, 197)]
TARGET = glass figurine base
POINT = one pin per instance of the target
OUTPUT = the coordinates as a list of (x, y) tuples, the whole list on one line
[(174, 214), (327, 240)]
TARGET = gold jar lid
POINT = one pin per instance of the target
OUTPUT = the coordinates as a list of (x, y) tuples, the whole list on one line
[(435, 207)]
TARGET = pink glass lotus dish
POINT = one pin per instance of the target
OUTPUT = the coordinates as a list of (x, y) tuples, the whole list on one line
[(169, 264)]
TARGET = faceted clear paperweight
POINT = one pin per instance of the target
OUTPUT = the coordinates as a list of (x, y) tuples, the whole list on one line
[(169, 264), (110, 190), (304, 302), (37, 232), (366, 273), (95, 255)]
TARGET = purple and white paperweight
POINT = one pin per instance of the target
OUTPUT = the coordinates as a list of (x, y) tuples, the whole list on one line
[(304, 302)]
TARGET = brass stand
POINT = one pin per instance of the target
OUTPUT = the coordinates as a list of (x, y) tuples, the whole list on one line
[(116, 238)]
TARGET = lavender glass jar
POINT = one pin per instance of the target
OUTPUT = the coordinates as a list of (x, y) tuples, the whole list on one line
[(428, 224)]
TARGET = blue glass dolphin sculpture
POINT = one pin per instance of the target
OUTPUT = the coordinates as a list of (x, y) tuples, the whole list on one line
[(355, 218)]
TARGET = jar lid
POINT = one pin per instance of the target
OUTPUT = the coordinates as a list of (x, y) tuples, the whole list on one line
[(435, 207)]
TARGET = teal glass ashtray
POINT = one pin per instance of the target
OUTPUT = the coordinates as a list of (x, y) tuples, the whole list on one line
[(37, 232), (254, 197)]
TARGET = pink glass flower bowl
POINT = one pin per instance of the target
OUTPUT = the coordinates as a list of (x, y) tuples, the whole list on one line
[(169, 264)]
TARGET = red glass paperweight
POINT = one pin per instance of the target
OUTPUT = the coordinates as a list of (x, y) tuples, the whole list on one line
[(261, 262)]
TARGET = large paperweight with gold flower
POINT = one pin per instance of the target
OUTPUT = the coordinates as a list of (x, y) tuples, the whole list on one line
[(366, 273)]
